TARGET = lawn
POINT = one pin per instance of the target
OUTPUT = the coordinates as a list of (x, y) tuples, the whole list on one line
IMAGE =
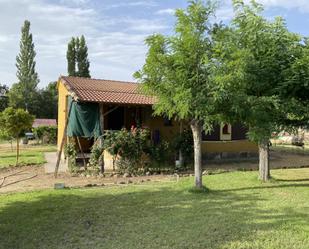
[(237, 212), (291, 149), (29, 155)]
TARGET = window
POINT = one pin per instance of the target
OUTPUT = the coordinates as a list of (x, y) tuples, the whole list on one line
[(167, 122), (225, 129), (225, 132)]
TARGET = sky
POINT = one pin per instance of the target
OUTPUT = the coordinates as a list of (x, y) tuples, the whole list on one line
[(115, 31)]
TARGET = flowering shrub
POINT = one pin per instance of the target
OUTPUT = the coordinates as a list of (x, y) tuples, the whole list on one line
[(130, 146)]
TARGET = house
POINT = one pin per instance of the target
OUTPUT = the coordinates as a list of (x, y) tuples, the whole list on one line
[(99, 105), (44, 122)]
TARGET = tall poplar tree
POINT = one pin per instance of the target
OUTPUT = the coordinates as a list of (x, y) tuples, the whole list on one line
[(23, 93), (77, 58), (82, 58), (71, 57)]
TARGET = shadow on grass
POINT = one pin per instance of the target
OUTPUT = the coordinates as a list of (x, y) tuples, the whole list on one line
[(139, 218), (291, 180), (265, 187)]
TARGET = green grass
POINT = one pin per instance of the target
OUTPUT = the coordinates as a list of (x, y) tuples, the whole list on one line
[(291, 149), (237, 211), (29, 155)]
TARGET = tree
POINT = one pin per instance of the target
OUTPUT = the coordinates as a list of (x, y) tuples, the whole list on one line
[(295, 88), (71, 58), (4, 101), (178, 71), (257, 59), (82, 59), (14, 122), (48, 97), (23, 93), (77, 58)]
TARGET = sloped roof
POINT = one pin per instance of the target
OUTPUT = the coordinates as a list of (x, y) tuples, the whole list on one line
[(106, 91), (44, 122)]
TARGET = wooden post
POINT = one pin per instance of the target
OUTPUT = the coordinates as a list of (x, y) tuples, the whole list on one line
[(63, 141), (17, 150), (101, 161)]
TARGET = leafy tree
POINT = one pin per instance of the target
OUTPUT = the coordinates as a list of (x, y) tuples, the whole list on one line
[(4, 101), (23, 93), (178, 71), (14, 122), (77, 58), (48, 97), (71, 57), (295, 88), (258, 57), (82, 59)]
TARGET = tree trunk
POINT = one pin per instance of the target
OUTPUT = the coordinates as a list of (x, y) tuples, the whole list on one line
[(264, 169), (17, 151), (196, 128), (181, 158)]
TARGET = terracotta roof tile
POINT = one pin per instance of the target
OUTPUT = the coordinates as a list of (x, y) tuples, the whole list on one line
[(44, 122), (106, 91)]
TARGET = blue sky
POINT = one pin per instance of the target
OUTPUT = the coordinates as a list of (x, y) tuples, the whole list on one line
[(115, 31)]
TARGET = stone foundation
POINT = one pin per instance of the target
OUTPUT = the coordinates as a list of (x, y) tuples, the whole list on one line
[(230, 155)]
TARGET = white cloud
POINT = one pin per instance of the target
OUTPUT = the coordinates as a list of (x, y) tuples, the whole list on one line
[(301, 5), (132, 4), (166, 12), (116, 44)]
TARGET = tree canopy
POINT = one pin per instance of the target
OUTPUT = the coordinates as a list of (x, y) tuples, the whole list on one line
[(23, 93), (260, 59), (14, 123), (4, 101), (77, 57), (252, 70), (179, 72)]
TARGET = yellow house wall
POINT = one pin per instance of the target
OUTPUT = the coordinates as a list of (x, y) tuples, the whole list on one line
[(169, 132), (156, 123), (62, 111), (166, 132), (229, 146)]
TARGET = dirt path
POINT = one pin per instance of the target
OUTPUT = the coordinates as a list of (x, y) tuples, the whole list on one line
[(277, 160), (34, 177)]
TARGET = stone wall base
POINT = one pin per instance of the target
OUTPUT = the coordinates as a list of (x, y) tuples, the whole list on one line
[(230, 155)]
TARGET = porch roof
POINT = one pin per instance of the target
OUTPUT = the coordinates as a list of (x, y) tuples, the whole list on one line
[(106, 91)]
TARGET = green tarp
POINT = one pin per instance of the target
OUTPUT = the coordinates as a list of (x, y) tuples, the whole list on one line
[(84, 120)]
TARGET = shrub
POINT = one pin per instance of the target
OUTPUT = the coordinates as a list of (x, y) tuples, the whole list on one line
[(46, 134), (96, 153), (130, 146), (71, 153), (159, 154), (184, 142)]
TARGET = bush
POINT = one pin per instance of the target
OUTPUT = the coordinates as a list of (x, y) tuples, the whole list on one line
[(96, 153), (46, 134), (130, 146), (184, 142), (71, 153), (159, 154)]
